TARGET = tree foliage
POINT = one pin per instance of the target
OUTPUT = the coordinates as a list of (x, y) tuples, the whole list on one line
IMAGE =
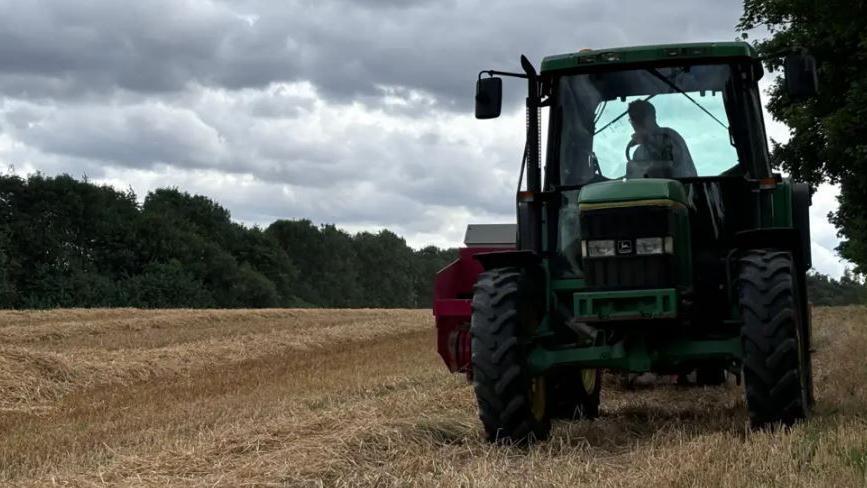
[(829, 136), (823, 290), (69, 243)]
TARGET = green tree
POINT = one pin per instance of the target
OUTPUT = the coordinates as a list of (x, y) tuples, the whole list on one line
[(252, 289), (385, 270), (823, 290), (263, 254), (166, 285), (828, 134), (327, 266), (239, 267), (195, 213), (6, 290), (66, 243), (426, 263), (299, 239), (60, 231)]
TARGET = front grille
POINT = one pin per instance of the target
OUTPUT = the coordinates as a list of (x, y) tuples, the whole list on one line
[(626, 224), (630, 272)]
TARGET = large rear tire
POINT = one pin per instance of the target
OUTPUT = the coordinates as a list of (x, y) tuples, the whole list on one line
[(506, 310), (776, 363)]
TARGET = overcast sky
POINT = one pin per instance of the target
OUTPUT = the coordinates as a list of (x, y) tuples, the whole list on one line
[(353, 112)]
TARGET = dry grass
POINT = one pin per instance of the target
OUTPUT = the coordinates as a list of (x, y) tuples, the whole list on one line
[(327, 398)]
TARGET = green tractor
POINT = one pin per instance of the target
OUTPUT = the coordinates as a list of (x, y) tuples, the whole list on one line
[(657, 239)]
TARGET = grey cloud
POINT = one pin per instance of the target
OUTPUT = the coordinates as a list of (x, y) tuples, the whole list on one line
[(135, 136), (317, 147), (347, 49), (280, 105), (140, 46), (344, 111)]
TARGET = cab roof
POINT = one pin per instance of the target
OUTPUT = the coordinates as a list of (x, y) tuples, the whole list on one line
[(640, 54)]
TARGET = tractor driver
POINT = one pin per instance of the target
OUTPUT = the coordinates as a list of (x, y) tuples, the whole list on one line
[(657, 143)]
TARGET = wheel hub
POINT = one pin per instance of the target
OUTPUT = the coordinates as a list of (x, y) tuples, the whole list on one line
[(588, 380)]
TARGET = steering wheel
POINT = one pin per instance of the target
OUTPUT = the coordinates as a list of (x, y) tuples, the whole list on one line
[(632, 143), (649, 168), (594, 164)]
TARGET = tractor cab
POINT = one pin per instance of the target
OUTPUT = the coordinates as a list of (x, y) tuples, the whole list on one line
[(657, 238)]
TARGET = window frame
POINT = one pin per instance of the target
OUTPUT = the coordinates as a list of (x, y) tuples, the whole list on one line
[(747, 126)]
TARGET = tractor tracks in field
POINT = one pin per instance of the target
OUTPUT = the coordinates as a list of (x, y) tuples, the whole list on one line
[(353, 398), (277, 398), (39, 364)]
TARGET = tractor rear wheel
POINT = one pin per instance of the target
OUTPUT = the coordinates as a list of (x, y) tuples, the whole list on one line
[(573, 393), (507, 308), (776, 361)]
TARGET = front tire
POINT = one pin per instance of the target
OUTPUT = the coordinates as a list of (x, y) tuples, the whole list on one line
[(506, 310), (573, 393), (776, 362)]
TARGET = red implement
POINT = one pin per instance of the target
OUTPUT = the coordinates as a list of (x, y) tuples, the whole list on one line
[(453, 293)]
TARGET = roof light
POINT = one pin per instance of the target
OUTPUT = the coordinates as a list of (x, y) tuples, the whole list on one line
[(767, 183), (525, 196)]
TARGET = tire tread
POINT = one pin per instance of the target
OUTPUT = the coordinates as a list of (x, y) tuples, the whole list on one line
[(500, 378), (772, 366)]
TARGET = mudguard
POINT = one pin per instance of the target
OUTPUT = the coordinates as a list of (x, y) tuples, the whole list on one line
[(782, 238)]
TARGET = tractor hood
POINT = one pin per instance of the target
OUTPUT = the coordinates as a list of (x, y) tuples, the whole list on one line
[(631, 190)]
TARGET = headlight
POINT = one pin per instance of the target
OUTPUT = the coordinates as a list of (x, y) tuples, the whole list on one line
[(648, 245), (654, 245), (600, 248)]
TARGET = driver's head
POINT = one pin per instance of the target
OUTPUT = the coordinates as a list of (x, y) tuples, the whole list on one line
[(642, 115)]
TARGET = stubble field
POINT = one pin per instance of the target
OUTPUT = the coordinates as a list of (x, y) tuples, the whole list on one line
[(359, 397)]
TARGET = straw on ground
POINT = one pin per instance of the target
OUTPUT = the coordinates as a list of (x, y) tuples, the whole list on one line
[(359, 397)]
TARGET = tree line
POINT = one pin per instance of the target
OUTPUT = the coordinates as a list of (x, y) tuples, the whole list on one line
[(70, 243), (823, 290)]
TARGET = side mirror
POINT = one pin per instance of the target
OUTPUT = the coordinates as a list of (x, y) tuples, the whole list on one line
[(801, 79), (489, 97)]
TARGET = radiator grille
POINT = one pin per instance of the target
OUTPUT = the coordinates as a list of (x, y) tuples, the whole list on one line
[(626, 224)]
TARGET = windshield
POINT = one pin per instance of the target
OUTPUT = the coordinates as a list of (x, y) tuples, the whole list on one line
[(658, 122)]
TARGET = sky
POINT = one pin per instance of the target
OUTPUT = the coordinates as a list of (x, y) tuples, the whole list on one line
[(352, 112)]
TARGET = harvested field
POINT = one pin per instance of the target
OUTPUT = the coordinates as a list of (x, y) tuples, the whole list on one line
[(359, 397)]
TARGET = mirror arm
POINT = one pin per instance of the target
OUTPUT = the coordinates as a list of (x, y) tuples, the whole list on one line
[(491, 72)]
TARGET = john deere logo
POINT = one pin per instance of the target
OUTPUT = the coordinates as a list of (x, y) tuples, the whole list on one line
[(624, 247)]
